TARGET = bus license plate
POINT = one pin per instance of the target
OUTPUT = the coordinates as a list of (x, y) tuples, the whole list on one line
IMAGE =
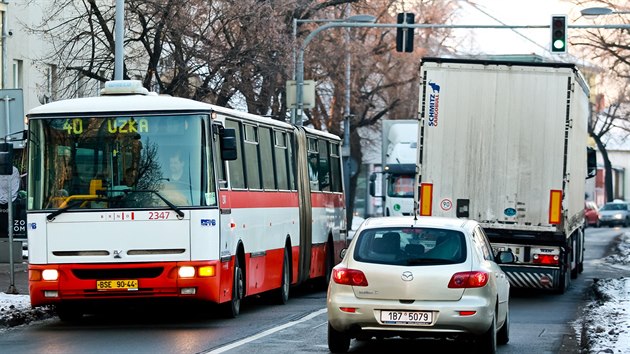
[(407, 317), (126, 284)]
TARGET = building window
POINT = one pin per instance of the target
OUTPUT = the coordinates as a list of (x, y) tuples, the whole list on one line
[(17, 73)]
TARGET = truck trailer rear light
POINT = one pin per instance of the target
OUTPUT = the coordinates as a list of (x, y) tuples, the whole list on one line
[(426, 199), (546, 259), (555, 206)]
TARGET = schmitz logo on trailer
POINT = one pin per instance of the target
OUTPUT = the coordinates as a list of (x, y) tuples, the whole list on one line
[(434, 104)]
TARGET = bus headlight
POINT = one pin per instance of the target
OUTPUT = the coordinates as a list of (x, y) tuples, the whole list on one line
[(50, 274), (186, 272)]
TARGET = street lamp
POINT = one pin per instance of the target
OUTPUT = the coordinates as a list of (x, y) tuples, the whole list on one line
[(598, 11), (352, 21)]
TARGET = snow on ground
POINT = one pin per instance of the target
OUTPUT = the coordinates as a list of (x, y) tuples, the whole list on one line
[(604, 326), (16, 310)]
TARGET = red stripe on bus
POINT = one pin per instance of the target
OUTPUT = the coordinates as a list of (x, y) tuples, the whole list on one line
[(260, 199), (327, 200)]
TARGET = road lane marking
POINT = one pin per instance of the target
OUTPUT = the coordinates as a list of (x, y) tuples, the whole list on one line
[(265, 333)]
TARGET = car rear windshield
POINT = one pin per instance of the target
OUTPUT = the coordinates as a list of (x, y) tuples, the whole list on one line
[(410, 246)]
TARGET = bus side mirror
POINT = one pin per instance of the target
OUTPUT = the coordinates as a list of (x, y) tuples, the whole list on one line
[(6, 159), (591, 162), (228, 144)]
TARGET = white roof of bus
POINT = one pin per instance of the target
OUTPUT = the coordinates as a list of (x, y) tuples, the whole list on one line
[(119, 103), (137, 103), (146, 104)]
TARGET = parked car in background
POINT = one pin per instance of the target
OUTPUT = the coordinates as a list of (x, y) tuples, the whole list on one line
[(591, 214), (381, 287), (615, 213)]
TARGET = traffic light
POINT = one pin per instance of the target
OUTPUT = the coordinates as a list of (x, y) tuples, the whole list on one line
[(559, 34), (404, 35)]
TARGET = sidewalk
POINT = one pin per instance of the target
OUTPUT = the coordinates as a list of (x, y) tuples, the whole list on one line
[(20, 277)]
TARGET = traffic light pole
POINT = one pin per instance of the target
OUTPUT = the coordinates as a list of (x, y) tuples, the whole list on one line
[(300, 61), (297, 118)]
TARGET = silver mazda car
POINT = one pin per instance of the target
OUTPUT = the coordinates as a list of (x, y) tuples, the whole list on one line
[(419, 277)]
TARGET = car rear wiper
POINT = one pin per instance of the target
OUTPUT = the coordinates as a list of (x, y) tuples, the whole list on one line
[(415, 261)]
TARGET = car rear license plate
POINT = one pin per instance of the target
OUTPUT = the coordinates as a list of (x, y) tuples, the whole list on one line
[(125, 284), (407, 317)]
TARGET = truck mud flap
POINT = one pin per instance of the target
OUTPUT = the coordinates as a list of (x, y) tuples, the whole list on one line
[(532, 277)]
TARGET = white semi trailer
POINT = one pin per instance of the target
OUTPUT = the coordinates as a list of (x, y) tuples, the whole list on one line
[(505, 143)]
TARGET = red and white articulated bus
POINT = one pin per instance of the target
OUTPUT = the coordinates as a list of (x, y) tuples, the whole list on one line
[(132, 195)]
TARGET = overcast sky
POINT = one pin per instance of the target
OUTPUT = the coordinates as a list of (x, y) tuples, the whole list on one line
[(509, 12)]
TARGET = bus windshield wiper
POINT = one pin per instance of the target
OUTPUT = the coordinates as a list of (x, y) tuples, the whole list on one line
[(177, 210), (72, 204)]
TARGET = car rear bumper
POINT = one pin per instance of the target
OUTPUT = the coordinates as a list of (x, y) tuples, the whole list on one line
[(447, 316)]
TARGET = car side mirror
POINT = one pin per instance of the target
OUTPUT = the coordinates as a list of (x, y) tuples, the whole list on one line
[(342, 254), (505, 257)]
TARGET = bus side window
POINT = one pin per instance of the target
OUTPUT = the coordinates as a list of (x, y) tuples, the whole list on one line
[(280, 159), (324, 166), (313, 164), (252, 165), (335, 168), (266, 158), (237, 177)]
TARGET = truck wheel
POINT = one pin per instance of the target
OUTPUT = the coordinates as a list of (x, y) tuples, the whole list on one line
[(565, 278), (574, 252)]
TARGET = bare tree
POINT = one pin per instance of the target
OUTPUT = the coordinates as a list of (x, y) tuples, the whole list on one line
[(239, 54), (384, 84), (610, 50)]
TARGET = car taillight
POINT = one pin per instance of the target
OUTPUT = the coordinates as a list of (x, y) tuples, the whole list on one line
[(347, 276), (468, 280), (549, 259)]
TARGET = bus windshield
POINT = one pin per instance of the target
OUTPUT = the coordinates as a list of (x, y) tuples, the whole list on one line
[(120, 162)]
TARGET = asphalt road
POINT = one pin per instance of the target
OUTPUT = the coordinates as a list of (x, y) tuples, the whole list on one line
[(540, 323)]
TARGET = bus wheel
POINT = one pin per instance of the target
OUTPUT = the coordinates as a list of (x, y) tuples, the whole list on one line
[(330, 262), (283, 292), (68, 313), (234, 306)]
